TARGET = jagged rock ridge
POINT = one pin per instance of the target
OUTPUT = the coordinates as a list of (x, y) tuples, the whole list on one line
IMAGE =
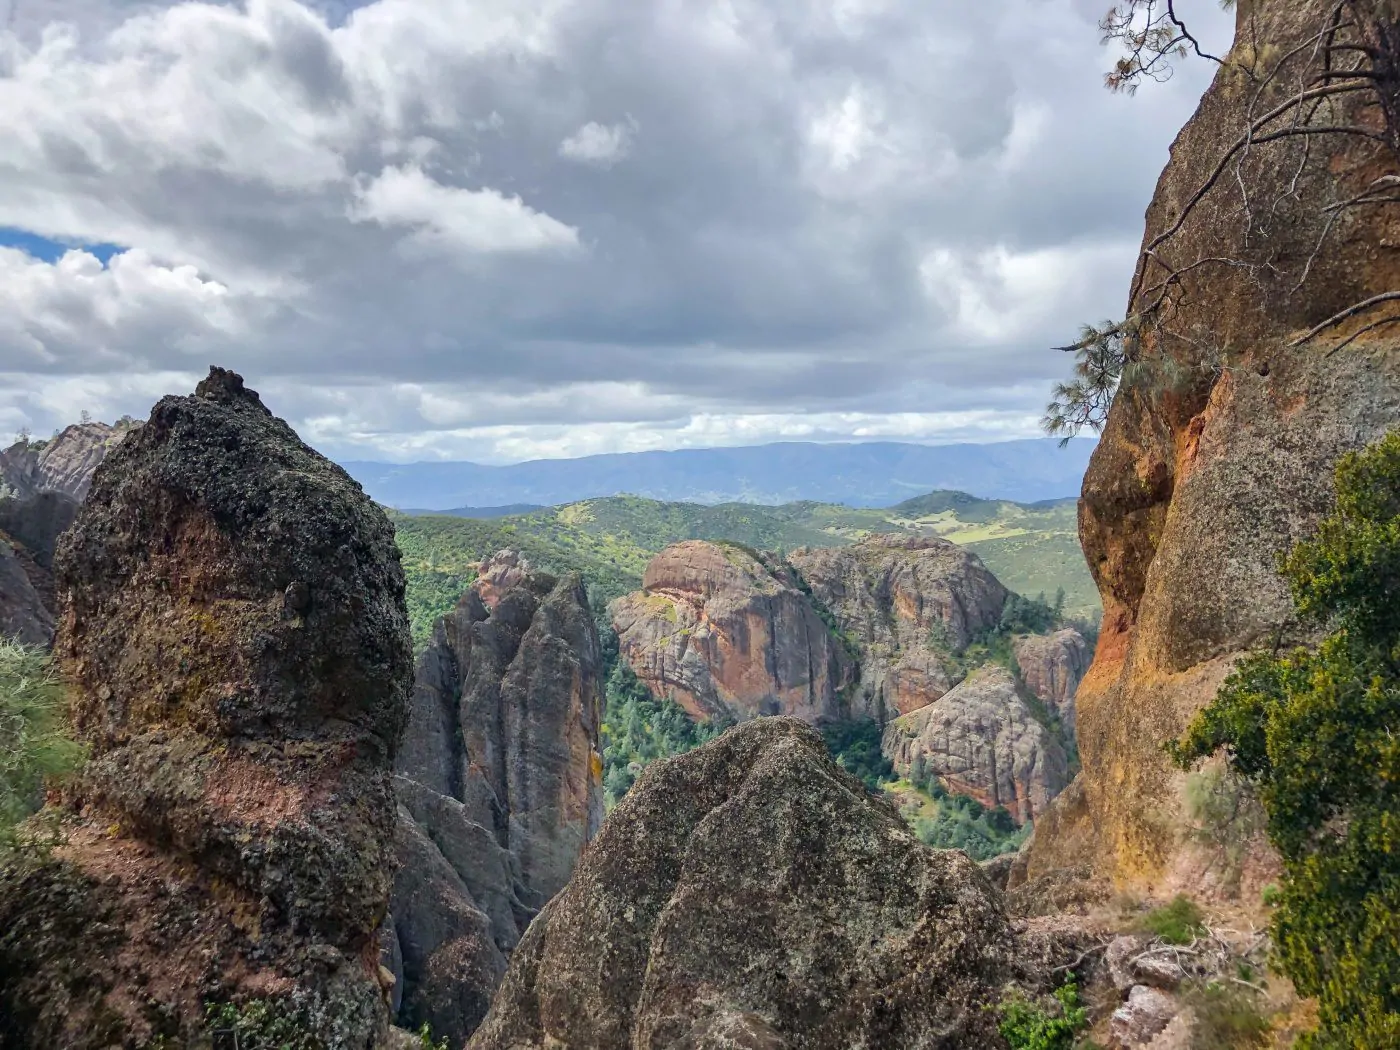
[(64, 464), (232, 621), (499, 786), (753, 894)]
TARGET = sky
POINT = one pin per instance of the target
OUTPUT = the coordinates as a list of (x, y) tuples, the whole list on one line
[(510, 229)]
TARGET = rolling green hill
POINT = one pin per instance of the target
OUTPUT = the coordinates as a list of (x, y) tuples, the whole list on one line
[(1032, 548)]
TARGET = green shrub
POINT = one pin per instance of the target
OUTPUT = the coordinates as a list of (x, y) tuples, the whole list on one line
[(259, 1024), (1314, 731), (1179, 922), (426, 1042), (33, 747), (1226, 1016), (1028, 1025)]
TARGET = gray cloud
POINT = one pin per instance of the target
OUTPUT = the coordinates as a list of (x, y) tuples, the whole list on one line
[(497, 227)]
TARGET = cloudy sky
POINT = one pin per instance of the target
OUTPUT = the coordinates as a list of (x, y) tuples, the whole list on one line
[(506, 229)]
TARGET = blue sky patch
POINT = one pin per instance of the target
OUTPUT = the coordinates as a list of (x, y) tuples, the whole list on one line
[(49, 250)]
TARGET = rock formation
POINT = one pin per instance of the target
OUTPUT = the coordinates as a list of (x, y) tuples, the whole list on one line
[(232, 622), (1052, 666), (29, 532), (982, 739), (752, 894), (725, 633), (1220, 455), (499, 785), (905, 601), (64, 464)]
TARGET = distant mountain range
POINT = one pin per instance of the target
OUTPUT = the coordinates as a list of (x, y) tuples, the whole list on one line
[(874, 474)]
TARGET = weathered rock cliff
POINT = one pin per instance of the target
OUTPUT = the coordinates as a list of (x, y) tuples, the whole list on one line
[(725, 634), (233, 625), (1052, 666), (29, 532), (905, 601), (499, 785), (752, 894), (1218, 454), (982, 739), (64, 464)]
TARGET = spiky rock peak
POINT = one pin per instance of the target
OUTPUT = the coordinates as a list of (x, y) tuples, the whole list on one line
[(232, 621), (1206, 473), (753, 894), (499, 786)]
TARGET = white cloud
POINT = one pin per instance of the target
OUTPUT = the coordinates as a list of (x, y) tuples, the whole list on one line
[(867, 214), (599, 145), (473, 220)]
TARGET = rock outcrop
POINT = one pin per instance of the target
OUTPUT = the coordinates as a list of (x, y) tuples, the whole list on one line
[(233, 626), (982, 739), (1052, 666), (1221, 455), (753, 894), (64, 464), (29, 532), (499, 785), (727, 633), (905, 601)]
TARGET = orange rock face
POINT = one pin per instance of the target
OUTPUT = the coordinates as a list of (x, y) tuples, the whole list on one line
[(1219, 454), (724, 634)]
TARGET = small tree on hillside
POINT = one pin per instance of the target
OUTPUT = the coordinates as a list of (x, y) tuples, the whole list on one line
[(33, 747), (1318, 734)]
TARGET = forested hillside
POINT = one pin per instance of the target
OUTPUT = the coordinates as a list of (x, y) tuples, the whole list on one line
[(1032, 548)]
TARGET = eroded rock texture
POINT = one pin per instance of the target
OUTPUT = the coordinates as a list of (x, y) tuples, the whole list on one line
[(725, 633), (232, 620), (64, 464), (752, 894), (1205, 473), (29, 531), (982, 739), (499, 785), (905, 601), (1052, 666)]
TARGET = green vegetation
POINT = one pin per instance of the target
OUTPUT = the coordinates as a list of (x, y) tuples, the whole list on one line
[(639, 729), (856, 748), (1179, 922), (1226, 817), (1315, 732), (1226, 1015), (259, 1024), (1029, 1025), (947, 821), (32, 745), (426, 1041), (1030, 547)]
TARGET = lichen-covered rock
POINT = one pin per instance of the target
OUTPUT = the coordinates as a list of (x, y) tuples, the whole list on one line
[(753, 894), (233, 625), (725, 632), (1203, 477), (1145, 1015), (905, 601), (1052, 666), (499, 782), (982, 739)]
